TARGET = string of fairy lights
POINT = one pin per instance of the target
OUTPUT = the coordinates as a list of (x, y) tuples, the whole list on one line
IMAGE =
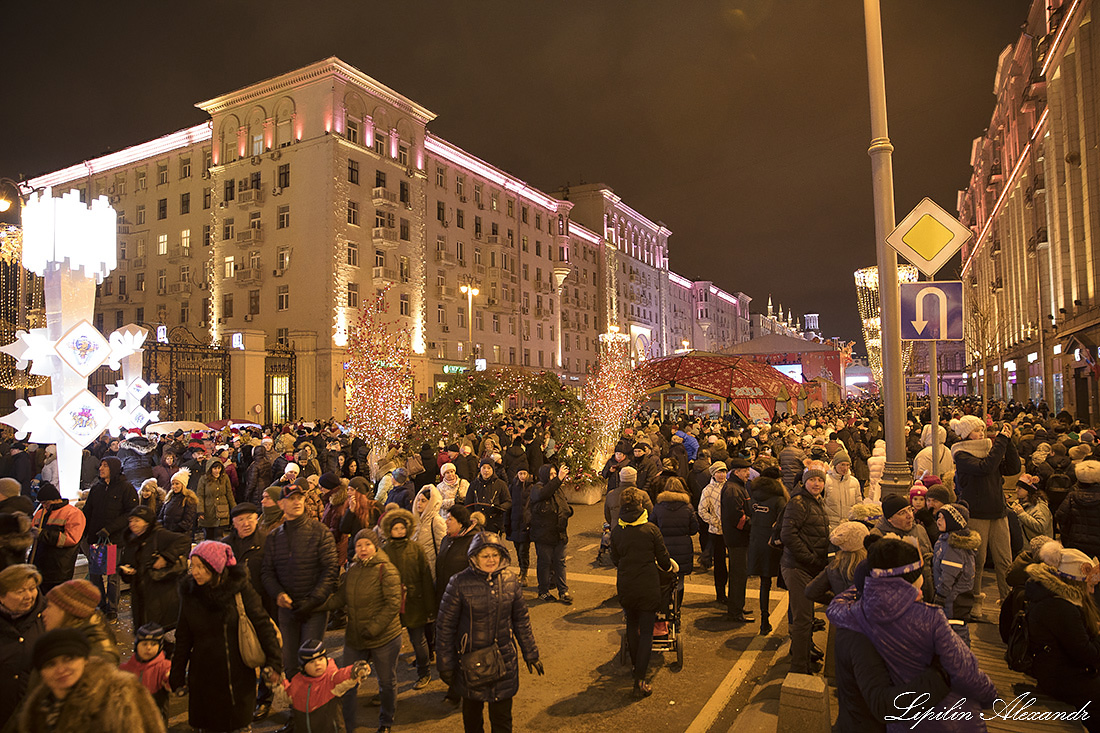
[(614, 391), (870, 314), (22, 306)]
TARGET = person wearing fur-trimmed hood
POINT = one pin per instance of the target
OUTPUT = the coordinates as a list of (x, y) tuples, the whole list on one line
[(419, 607), (1064, 625)]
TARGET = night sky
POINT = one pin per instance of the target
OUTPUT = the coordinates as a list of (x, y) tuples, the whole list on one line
[(742, 125)]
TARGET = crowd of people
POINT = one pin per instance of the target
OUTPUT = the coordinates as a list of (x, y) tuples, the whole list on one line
[(240, 549)]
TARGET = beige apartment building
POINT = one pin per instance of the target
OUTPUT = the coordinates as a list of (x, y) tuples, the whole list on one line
[(250, 245)]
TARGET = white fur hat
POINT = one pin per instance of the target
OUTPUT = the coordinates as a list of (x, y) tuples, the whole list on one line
[(1088, 472), (967, 424), (1067, 561), (183, 476), (292, 467), (926, 435)]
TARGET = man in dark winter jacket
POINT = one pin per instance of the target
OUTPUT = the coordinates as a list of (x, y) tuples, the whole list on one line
[(107, 511), (258, 477), (619, 460), (649, 468), (805, 537), (136, 453), (979, 468), (550, 512), (300, 568), (736, 510), (21, 466)]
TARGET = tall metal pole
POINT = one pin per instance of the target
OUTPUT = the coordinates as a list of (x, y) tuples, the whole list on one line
[(934, 403), (896, 474)]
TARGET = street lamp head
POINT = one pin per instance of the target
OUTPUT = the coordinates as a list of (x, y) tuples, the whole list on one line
[(475, 291), (5, 204)]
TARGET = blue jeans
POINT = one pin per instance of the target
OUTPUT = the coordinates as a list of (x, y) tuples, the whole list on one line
[(383, 661), (295, 632), (550, 567), (110, 592)]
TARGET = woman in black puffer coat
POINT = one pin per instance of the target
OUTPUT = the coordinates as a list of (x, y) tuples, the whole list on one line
[(638, 551), (675, 517), (207, 659), (153, 560), (769, 497), (482, 606)]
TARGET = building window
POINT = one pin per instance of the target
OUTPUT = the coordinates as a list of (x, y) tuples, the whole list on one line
[(140, 215), (229, 268), (402, 155), (282, 258), (379, 258), (162, 209), (405, 230), (538, 220), (140, 315), (352, 131), (139, 283), (460, 219), (185, 240), (162, 281), (523, 242), (461, 317), (284, 176), (353, 171), (282, 336), (227, 229), (185, 167), (207, 194), (227, 305), (282, 298), (254, 305), (379, 143), (353, 212), (494, 202), (523, 214), (185, 203), (353, 295), (403, 304), (108, 287), (441, 177), (139, 184), (185, 311), (353, 254), (440, 314), (496, 323), (403, 269), (477, 227), (162, 173), (404, 194), (441, 211), (206, 235), (282, 217), (162, 244)]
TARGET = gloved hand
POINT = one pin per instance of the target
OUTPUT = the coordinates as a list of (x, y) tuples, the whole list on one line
[(536, 666), (447, 676)]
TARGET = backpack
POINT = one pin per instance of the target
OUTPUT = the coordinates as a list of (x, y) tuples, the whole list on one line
[(1018, 654)]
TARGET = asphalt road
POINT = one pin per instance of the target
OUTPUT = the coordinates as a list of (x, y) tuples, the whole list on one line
[(585, 687)]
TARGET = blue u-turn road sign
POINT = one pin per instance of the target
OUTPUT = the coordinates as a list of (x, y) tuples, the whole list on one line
[(932, 311)]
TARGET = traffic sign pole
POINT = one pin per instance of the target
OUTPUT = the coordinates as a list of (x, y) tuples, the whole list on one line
[(934, 403)]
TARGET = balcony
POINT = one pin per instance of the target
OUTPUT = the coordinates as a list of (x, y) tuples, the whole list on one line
[(385, 274), (442, 291), (249, 275), (138, 263), (480, 269), (122, 266), (493, 239), (384, 236), (251, 197), (251, 236), (542, 313), (179, 288), (178, 253), (381, 197), (541, 287), (445, 257)]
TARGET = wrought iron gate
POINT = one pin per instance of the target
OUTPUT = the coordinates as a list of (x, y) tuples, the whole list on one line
[(279, 384)]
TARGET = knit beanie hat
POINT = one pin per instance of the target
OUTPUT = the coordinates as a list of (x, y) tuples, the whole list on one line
[(939, 493), (48, 492), (216, 555), (367, 533), (916, 490), (274, 493), (311, 650), (400, 476), (447, 467), (967, 424), (848, 536), (183, 476), (893, 504), (810, 473), (58, 643), (151, 631), (841, 456), (329, 480), (77, 598), (628, 475), (930, 480), (9, 487), (292, 467), (145, 514), (955, 516)]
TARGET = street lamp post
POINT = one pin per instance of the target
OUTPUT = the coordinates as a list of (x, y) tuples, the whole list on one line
[(470, 291), (896, 472)]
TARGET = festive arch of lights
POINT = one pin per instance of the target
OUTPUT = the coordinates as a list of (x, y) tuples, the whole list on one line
[(867, 294)]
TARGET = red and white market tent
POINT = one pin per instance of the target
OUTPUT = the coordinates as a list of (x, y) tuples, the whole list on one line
[(749, 387)]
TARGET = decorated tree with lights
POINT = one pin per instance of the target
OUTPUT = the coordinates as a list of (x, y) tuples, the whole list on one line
[(613, 392), (378, 377)]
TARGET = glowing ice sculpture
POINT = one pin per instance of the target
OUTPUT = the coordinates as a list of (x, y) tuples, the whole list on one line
[(72, 246)]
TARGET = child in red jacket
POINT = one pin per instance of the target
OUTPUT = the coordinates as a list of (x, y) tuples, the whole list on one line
[(314, 692), (150, 665)]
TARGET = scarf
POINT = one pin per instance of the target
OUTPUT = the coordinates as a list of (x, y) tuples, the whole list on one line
[(642, 519)]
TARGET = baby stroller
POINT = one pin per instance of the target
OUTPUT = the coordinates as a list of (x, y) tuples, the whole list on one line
[(605, 543), (667, 629)]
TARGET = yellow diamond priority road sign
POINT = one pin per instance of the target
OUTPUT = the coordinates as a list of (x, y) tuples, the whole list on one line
[(928, 237)]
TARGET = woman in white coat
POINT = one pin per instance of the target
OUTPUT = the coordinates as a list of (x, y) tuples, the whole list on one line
[(876, 464)]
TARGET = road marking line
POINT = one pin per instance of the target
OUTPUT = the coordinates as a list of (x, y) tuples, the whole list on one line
[(688, 587), (586, 548), (721, 697)]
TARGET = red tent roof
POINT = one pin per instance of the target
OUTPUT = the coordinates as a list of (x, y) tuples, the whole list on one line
[(740, 381)]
